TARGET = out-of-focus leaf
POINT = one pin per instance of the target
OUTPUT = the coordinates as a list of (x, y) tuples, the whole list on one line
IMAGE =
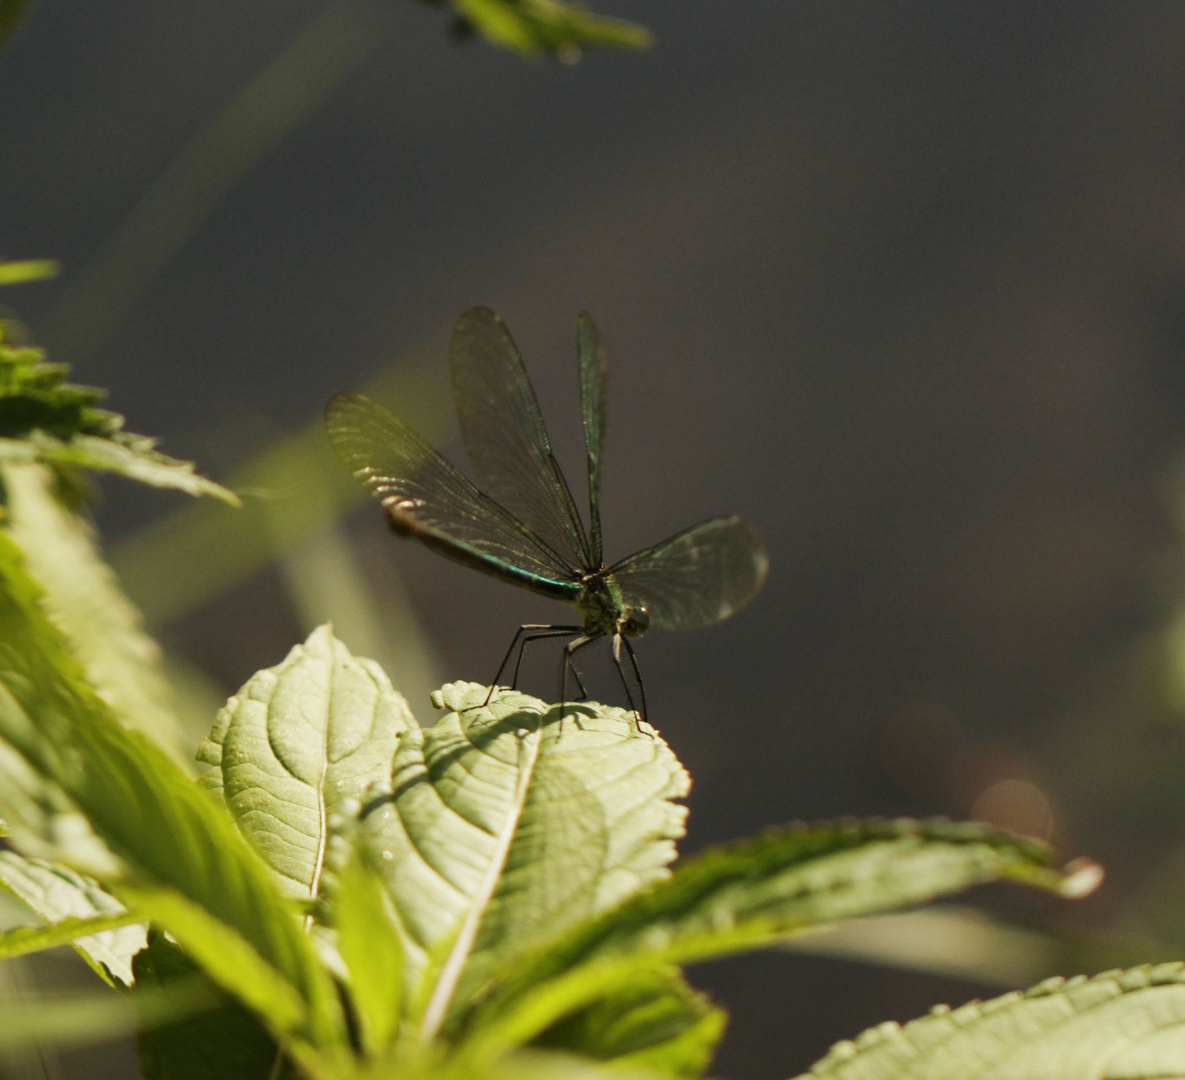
[(131, 456), (23, 940), (338, 38), (494, 833), (137, 800), (294, 743), (224, 955), (72, 1019), (548, 26), (45, 419), (58, 895), (1121, 1025), (297, 487), (657, 1023), (373, 954), (16, 273), (84, 601), (222, 1043), (754, 894), (10, 13)]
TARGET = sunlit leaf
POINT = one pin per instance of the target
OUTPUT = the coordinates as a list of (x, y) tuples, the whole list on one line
[(83, 599), (1121, 1025), (45, 419), (59, 895), (756, 893), (372, 951), (297, 741), (137, 800), (495, 832)]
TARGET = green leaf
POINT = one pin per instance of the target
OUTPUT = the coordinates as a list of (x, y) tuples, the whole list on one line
[(295, 743), (372, 951), (1121, 1025), (60, 896), (137, 800), (23, 940), (83, 599), (494, 832), (132, 456), (16, 273), (222, 1043), (757, 893), (223, 954), (534, 26), (657, 1023), (45, 419), (72, 1019)]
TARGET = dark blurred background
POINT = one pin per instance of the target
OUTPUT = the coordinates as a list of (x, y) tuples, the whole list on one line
[(902, 283)]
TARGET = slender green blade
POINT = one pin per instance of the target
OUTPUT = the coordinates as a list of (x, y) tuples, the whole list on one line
[(84, 600), (697, 577), (657, 1022), (59, 894), (428, 498), (755, 894), (505, 435), (594, 405), (369, 943)]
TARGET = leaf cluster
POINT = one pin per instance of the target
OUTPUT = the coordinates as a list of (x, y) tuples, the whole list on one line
[(346, 892)]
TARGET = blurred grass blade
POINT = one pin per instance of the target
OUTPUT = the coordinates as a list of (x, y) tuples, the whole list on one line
[(23, 940), (225, 956), (16, 273), (57, 893), (371, 612), (65, 1019), (293, 490), (329, 49)]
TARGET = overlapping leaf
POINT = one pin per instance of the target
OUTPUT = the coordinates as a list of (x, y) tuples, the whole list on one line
[(61, 896), (496, 831), (142, 807), (1121, 1025), (297, 741), (84, 601)]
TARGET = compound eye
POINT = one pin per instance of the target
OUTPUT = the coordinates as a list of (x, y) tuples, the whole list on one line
[(638, 622)]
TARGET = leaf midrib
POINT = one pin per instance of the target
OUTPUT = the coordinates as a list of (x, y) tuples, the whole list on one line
[(454, 965)]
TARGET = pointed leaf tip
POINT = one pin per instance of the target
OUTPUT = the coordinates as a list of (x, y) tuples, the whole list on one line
[(1080, 878)]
